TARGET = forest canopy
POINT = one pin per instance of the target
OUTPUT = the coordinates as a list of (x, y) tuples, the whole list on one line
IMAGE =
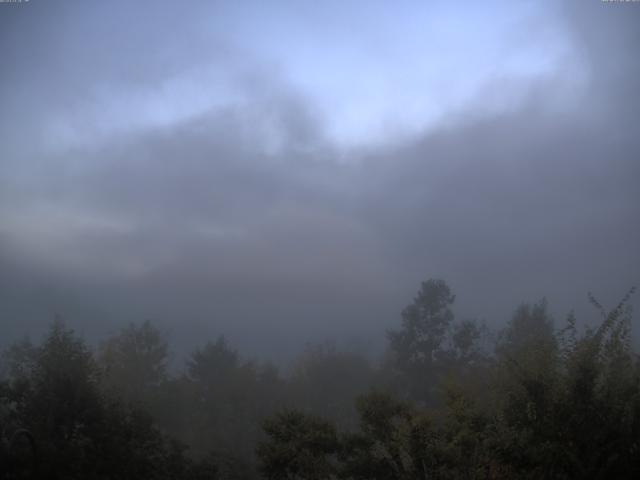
[(449, 399)]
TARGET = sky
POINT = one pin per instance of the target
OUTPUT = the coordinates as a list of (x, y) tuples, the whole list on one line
[(290, 171)]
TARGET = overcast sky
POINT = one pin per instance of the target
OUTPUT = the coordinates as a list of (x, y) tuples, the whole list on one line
[(287, 171)]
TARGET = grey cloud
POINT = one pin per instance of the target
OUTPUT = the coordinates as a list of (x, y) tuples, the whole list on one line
[(245, 219)]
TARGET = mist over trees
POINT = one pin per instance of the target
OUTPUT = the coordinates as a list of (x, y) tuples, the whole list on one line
[(341, 240), (449, 399)]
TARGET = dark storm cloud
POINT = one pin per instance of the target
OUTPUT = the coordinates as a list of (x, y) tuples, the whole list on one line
[(246, 219)]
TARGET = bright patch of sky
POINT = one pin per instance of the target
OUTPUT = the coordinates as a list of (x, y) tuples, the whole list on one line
[(377, 69), (373, 71)]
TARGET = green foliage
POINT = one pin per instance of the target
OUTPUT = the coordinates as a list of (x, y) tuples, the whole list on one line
[(300, 446), (226, 400), (564, 404), (212, 363), (134, 362), (327, 382), (395, 441), (389, 435), (80, 431), (571, 404), (529, 341), (424, 326), (430, 345), (545, 404)]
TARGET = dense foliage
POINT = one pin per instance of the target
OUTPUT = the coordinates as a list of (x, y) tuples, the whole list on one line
[(54, 391), (544, 404), (445, 403)]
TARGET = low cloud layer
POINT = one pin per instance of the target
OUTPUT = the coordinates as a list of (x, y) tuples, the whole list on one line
[(246, 216)]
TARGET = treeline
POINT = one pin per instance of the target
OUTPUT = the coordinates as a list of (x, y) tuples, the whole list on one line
[(449, 399), (541, 404)]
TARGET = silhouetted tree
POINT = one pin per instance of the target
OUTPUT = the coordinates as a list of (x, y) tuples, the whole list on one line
[(81, 430), (327, 381), (134, 361)]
